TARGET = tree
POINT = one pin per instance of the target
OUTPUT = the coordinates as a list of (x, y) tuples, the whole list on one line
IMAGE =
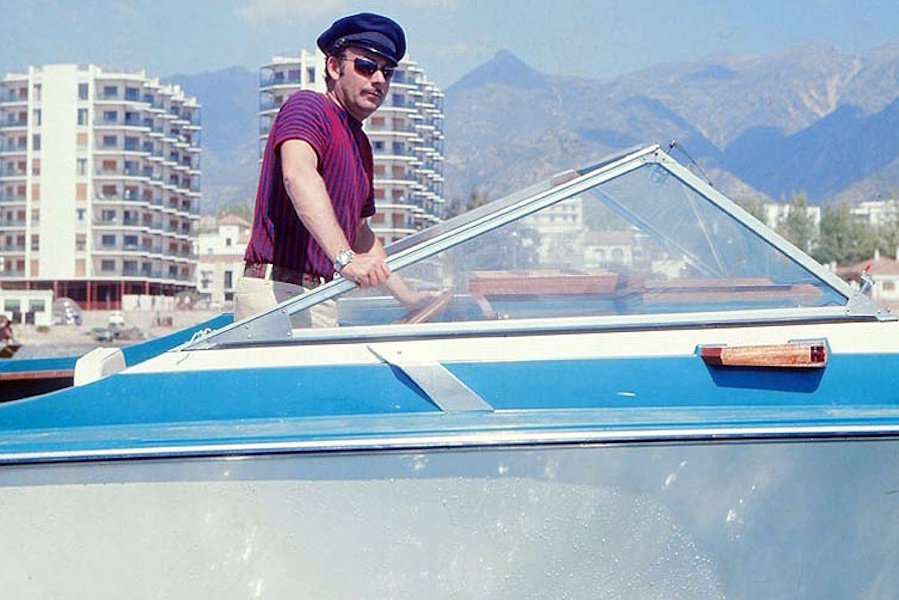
[(754, 206), (512, 246), (457, 206), (888, 231), (798, 225), (842, 239), (478, 197)]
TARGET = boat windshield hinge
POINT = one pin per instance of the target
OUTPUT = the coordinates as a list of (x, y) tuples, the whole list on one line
[(441, 387), (861, 304), (272, 326)]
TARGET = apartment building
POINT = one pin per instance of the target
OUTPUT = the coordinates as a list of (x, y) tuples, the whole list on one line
[(221, 263), (776, 213), (876, 213), (99, 184), (406, 134)]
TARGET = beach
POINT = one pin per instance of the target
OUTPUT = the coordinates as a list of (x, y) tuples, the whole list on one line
[(65, 340)]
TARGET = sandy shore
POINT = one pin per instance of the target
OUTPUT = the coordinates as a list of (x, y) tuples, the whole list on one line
[(61, 340)]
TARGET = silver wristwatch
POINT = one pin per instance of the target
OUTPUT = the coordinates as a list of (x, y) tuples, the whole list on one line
[(343, 258)]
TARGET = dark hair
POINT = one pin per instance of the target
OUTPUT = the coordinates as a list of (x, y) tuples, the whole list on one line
[(339, 54)]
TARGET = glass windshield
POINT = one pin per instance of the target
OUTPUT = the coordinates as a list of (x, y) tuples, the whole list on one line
[(643, 243)]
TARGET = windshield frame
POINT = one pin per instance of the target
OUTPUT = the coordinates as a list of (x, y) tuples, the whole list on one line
[(273, 325)]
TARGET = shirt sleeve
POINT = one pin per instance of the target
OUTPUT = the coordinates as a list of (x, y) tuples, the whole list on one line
[(302, 118)]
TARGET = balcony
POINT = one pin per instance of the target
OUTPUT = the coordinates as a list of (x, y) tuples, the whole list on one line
[(269, 78), (13, 99), (12, 247), (18, 223), (118, 197), (13, 149), (14, 123), (123, 172), (267, 103), (13, 173)]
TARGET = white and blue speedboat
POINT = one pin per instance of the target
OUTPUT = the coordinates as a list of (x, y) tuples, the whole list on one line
[(626, 387)]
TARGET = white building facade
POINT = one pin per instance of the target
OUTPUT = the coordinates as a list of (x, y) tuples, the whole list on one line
[(776, 213), (221, 259), (99, 184), (406, 134), (876, 213), (27, 306)]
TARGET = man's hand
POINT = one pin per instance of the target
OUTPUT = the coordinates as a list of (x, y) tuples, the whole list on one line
[(416, 299), (366, 271)]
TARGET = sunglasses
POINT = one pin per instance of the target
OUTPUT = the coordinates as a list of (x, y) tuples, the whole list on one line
[(367, 67)]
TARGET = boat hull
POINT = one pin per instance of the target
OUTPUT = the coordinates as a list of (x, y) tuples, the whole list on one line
[(640, 519)]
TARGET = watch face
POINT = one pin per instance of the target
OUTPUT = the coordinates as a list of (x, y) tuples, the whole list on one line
[(344, 257)]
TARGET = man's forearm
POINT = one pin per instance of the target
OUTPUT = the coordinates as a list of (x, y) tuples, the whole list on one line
[(367, 242), (312, 204)]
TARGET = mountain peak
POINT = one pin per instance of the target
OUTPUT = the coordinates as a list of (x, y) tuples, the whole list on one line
[(504, 68)]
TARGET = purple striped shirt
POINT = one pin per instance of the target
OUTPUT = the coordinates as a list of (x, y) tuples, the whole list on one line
[(346, 166)]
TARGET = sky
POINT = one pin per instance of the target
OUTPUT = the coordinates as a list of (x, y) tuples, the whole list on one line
[(599, 38)]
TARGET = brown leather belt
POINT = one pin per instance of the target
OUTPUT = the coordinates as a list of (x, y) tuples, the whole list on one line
[(283, 274)]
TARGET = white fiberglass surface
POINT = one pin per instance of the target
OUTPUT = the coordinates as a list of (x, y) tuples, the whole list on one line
[(642, 243), (744, 520)]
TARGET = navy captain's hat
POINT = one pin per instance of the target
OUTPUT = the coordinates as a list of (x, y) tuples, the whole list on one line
[(365, 30)]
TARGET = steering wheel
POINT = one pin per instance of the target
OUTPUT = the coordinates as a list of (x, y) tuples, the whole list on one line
[(433, 308)]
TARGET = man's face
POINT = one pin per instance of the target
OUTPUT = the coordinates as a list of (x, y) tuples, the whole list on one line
[(358, 93)]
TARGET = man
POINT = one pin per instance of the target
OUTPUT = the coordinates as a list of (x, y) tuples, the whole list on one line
[(316, 184)]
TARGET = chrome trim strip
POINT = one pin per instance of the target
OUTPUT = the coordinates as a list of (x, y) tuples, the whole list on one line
[(773, 316), (484, 439)]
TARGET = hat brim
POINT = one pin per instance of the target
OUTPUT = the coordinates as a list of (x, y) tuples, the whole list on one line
[(372, 41), (380, 53)]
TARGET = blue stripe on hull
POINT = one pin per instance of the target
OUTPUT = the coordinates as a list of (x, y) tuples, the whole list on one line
[(848, 380), (860, 379)]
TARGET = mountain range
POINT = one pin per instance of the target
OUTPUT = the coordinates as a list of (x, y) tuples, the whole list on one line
[(811, 119), (229, 102)]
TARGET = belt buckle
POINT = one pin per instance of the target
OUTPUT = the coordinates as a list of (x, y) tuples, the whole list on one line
[(312, 281), (254, 270)]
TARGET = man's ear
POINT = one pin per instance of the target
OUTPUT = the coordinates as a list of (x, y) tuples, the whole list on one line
[(333, 65)]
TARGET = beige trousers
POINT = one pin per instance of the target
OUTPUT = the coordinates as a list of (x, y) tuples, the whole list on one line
[(253, 296)]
